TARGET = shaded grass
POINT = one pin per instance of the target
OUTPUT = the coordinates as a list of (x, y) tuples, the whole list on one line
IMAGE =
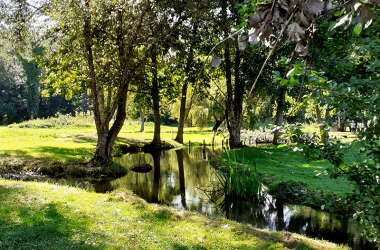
[(283, 164), (45, 216)]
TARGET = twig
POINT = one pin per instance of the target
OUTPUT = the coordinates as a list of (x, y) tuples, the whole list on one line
[(269, 55)]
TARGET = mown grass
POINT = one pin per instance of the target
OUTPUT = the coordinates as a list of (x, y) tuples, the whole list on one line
[(72, 144), (283, 164), (46, 216)]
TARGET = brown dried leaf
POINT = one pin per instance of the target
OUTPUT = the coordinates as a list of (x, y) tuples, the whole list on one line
[(350, 5), (302, 50), (242, 42), (314, 7), (366, 14), (301, 19), (295, 32), (263, 9), (277, 18), (254, 36), (254, 21), (284, 4), (266, 31)]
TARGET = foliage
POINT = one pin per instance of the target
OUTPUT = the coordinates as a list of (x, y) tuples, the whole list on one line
[(80, 119), (364, 175)]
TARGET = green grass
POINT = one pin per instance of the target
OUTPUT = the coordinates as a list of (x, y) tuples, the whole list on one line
[(46, 216), (283, 164), (70, 144)]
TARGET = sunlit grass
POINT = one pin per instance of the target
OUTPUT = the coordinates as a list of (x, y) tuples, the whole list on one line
[(46, 216), (284, 165)]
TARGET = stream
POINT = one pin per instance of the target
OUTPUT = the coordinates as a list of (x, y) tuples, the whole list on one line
[(177, 179)]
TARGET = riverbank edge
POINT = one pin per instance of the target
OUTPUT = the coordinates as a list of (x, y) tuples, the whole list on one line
[(47, 167), (295, 191), (105, 216)]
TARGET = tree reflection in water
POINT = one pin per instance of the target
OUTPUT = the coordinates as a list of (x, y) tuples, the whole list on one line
[(174, 181)]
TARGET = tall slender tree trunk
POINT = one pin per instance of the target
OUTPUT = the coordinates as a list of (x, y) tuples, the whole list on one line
[(323, 128), (182, 114), (234, 103), (279, 113), (156, 142), (142, 120)]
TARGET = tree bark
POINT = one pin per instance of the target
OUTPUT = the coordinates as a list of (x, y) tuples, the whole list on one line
[(323, 128), (234, 102), (341, 125), (279, 113), (106, 136), (182, 114), (142, 120), (156, 142)]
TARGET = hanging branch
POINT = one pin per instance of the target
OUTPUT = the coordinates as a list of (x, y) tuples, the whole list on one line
[(303, 80), (204, 63), (269, 55)]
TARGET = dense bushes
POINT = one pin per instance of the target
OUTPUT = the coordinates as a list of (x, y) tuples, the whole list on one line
[(79, 120)]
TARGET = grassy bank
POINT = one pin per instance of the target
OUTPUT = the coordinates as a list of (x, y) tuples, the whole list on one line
[(283, 164), (42, 149), (45, 216)]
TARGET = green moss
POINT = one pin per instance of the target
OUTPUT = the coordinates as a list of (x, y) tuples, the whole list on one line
[(46, 216)]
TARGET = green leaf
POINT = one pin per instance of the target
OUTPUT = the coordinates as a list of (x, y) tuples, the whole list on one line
[(280, 146), (373, 98), (284, 82), (358, 28), (342, 106)]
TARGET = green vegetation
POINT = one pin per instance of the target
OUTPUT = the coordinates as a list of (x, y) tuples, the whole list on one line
[(277, 165), (45, 216)]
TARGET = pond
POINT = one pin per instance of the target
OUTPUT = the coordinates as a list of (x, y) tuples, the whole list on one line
[(178, 177)]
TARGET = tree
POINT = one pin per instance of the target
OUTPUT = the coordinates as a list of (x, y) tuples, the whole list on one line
[(32, 84), (96, 46)]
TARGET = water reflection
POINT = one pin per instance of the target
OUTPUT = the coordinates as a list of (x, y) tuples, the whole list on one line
[(177, 174)]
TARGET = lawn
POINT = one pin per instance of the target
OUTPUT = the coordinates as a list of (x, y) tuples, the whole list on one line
[(46, 216), (283, 164), (73, 144)]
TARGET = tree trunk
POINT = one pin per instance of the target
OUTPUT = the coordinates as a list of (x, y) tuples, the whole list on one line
[(234, 101), (279, 113), (156, 142), (341, 125), (323, 128), (106, 136), (142, 119), (182, 114)]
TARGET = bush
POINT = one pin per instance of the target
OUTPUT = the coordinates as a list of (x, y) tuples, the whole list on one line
[(80, 120)]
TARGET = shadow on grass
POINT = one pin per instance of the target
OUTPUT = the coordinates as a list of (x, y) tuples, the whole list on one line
[(84, 138), (48, 153), (27, 224)]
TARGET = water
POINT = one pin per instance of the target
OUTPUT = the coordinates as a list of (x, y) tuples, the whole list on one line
[(178, 177)]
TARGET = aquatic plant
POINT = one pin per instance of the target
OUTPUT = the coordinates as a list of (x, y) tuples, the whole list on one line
[(237, 181)]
